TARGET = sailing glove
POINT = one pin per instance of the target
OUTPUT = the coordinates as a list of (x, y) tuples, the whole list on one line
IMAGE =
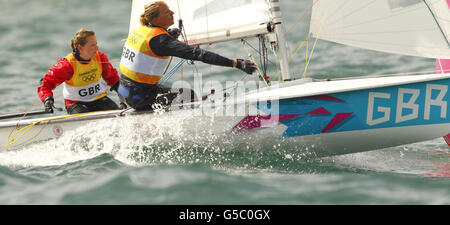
[(48, 104), (115, 87), (246, 65)]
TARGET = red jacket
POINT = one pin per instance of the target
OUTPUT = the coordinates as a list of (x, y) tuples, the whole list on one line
[(62, 71)]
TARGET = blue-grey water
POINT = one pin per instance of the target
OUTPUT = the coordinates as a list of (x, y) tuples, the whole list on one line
[(95, 166)]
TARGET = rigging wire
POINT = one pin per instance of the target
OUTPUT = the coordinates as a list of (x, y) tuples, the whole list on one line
[(309, 57), (437, 23), (177, 67), (300, 18), (260, 54), (260, 74), (305, 12), (263, 57)]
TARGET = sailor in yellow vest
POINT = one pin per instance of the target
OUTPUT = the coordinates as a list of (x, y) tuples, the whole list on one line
[(81, 72), (146, 56)]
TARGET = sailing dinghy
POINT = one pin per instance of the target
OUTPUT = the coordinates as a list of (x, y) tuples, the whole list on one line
[(332, 117)]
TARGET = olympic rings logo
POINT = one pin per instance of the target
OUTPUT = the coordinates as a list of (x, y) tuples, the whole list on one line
[(90, 77), (133, 40)]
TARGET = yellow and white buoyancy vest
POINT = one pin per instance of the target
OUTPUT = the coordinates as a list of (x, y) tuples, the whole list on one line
[(139, 62), (85, 85)]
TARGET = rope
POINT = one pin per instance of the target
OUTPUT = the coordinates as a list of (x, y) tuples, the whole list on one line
[(253, 60), (21, 132), (308, 59), (295, 53)]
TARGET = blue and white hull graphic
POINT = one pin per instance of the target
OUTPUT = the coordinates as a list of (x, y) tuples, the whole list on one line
[(374, 117)]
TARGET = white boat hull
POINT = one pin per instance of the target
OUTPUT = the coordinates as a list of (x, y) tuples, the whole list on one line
[(329, 118)]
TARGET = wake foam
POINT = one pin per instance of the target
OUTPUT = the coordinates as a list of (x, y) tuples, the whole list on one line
[(162, 138), (178, 138)]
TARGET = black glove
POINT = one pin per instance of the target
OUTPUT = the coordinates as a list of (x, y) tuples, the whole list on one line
[(48, 104), (115, 87), (123, 106), (246, 65), (174, 32)]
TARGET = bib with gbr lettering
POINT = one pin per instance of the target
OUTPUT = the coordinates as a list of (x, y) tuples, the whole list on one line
[(139, 62), (85, 84)]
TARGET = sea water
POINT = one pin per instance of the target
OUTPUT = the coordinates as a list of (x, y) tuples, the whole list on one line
[(154, 161)]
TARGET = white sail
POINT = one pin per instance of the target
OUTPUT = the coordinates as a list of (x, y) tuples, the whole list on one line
[(209, 21), (407, 27)]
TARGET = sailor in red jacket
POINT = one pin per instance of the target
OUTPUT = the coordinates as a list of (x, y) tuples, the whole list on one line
[(81, 72)]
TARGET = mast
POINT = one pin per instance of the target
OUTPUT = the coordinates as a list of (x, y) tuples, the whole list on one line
[(275, 11)]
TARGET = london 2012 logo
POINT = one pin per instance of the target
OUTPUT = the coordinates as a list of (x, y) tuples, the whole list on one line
[(57, 130)]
